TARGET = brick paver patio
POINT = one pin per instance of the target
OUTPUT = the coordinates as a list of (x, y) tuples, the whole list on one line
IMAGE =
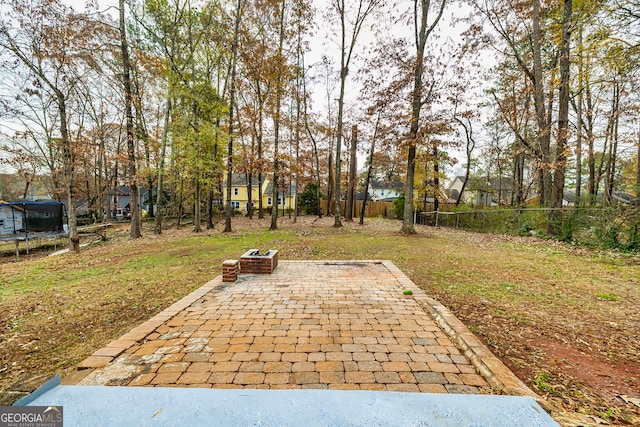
[(310, 324)]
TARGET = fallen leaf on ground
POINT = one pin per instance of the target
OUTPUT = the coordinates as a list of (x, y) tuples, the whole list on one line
[(628, 399)]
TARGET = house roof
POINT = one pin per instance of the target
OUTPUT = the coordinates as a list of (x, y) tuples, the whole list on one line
[(360, 196), (387, 185), (240, 180), (494, 184), (453, 181), (290, 191), (124, 190)]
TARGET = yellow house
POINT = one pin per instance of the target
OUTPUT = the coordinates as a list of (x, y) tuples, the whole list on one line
[(240, 193)]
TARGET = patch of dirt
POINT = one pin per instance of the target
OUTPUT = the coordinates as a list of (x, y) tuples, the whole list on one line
[(611, 379), (562, 366)]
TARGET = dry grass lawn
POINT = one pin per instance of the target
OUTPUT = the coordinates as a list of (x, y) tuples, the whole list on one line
[(563, 318)]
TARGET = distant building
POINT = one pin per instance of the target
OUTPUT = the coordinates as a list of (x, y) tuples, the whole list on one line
[(240, 193), (483, 192), (386, 191), (119, 200)]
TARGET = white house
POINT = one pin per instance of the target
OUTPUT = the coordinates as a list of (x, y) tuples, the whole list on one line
[(379, 190)]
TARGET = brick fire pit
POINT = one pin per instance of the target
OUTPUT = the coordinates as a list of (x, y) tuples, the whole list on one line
[(253, 262)]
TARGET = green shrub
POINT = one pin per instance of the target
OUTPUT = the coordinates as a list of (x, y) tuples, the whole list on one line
[(308, 202), (398, 207)]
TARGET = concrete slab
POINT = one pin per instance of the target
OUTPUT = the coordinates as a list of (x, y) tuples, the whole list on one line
[(162, 406)]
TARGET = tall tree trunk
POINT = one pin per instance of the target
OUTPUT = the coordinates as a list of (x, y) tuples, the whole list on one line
[(591, 160), (197, 201), (422, 33), (330, 182), (197, 196), (318, 180), (276, 121), (613, 146), (260, 197), (275, 183), (518, 179), (210, 198), (364, 9), (638, 172), (416, 105), (544, 134), (215, 190), (344, 71), (232, 100), (143, 135), (180, 202), (600, 170), (436, 178), (101, 179), (560, 163), (604, 168), (470, 145), (579, 122), (260, 176), (115, 186), (67, 162), (300, 64), (134, 199), (157, 229), (250, 195), (352, 174), (369, 171), (316, 156)]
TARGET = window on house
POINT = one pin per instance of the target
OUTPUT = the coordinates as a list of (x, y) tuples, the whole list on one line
[(235, 205), (235, 191), (269, 201)]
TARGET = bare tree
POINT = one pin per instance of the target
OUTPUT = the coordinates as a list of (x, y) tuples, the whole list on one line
[(423, 29), (470, 145), (54, 68), (276, 115), (364, 8), (134, 199), (351, 186), (232, 100), (369, 170), (563, 117)]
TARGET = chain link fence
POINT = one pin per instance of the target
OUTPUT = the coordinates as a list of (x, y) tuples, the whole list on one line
[(614, 227)]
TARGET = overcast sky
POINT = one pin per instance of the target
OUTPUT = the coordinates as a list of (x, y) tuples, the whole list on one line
[(323, 43)]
